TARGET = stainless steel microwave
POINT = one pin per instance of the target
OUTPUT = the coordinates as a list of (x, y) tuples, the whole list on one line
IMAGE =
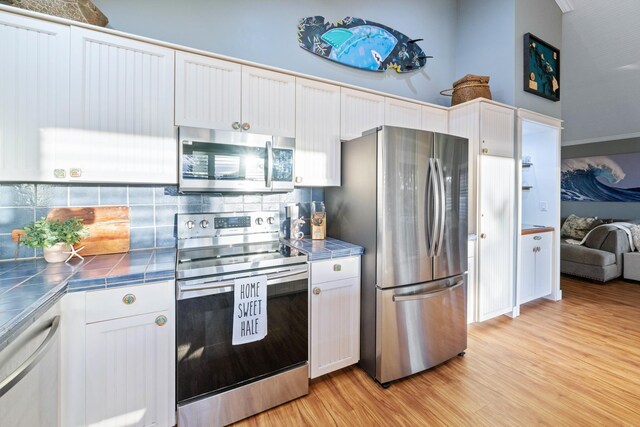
[(227, 161)]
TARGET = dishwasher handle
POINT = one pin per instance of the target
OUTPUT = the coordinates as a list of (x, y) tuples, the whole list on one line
[(428, 294), (32, 361)]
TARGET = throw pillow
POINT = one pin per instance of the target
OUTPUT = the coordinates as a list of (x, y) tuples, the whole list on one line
[(576, 227), (635, 235)]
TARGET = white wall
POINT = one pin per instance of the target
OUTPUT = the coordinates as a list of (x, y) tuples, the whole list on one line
[(266, 32), (601, 71)]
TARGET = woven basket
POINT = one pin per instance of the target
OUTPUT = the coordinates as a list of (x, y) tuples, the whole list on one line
[(467, 88)]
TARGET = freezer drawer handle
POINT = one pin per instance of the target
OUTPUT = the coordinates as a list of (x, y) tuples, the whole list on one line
[(430, 294), (32, 361)]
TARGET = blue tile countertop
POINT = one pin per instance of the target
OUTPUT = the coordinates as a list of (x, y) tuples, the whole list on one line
[(30, 287), (317, 250)]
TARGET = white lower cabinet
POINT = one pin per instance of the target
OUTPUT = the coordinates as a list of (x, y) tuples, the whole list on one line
[(471, 281), (535, 266), (122, 367), (334, 333)]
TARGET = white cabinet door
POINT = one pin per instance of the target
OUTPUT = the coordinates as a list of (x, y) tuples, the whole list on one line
[(359, 112), (544, 259), (497, 130), (402, 114), (268, 102), (34, 97), (495, 237), (129, 365), (527, 268), (471, 282), (122, 96), (207, 92), (435, 119), (317, 134)]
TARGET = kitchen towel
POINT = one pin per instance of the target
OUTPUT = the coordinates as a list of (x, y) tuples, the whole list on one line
[(250, 309)]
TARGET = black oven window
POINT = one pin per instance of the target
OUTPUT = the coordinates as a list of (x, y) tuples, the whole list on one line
[(223, 162)]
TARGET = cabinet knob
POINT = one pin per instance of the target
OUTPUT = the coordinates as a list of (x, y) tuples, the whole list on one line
[(246, 126), (485, 150), (161, 320), (316, 291), (337, 267), (75, 172), (483, 236), (298, 179), (129, 299), (235, 125), (59, 173)]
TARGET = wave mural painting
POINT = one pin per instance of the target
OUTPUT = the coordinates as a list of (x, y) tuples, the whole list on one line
[(614, 178)]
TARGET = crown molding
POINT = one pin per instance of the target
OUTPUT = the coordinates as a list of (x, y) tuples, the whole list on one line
[(565, 5)]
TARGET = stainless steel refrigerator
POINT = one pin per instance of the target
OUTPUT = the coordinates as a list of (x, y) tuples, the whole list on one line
[(404, 199)]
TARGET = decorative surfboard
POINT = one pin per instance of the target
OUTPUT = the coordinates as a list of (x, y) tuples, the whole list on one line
[(361, 44)]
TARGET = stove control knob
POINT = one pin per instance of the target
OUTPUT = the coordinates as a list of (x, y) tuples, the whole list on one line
[(204, 223), (259, 221), (190, 224), (271, 220)]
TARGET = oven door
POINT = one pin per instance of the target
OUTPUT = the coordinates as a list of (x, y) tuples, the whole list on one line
[(208, 363)]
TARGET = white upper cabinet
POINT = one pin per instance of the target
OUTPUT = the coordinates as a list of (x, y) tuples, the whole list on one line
[(268, 102), (317, 161), (34, 96), (122, 97), (402, 113), (497, 127), (435, 119), (207, 92), (359, 112)]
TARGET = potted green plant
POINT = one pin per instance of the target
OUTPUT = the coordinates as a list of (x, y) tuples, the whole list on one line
[(55, 237)]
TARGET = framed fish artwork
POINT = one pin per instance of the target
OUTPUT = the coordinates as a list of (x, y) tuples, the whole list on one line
[(612, 178), (541, 68), (361, 44)]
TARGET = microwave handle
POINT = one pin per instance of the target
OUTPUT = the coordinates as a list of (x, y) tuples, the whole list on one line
[(269, 163)]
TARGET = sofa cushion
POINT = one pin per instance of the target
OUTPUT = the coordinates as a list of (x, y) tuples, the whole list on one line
[(583, 255), (635, 235), (576, 227), (596, 237)]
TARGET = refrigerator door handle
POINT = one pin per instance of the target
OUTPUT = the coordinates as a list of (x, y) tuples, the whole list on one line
[(442, 204), (429, 294), (433, 189)]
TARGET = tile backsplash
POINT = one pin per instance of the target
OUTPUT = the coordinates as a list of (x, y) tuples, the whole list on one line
[(152, 209)]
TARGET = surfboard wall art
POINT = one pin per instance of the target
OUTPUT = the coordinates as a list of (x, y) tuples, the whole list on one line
[(361, 44), (613, 178)]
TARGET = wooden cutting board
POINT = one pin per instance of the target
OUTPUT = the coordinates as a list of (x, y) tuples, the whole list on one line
[(108, 226)]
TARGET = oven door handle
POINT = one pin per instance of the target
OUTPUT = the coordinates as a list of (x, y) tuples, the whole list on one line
[(212, 288)]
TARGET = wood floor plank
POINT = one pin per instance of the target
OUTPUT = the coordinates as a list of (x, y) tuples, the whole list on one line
[(574, 362)]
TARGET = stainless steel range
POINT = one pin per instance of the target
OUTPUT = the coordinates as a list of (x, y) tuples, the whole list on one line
[(242, 317)]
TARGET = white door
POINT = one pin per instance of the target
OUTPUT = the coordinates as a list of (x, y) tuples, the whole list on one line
[(435, 119), (359, 112), (497, 130), (402, 114), (527, 268), (335, 325), (122, 100), (207, 92), (268, 102), (129, 371), (34, 97), (496, 237), (317, 161), (544, 260)]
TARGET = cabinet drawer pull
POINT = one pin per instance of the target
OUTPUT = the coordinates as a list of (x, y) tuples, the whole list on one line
[(246, 126), (316, 291), (235, 125), (161, 320), (129, 299)]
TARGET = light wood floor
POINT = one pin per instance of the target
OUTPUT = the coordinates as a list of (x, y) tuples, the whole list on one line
[(573, 362)]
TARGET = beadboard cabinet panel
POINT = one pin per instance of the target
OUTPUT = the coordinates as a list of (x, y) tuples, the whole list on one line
[(435, 119), (268, 102), (317, 162), (207, 92), (34, 97), (359, 112), (497, 127), (122, 96), (402, 114)]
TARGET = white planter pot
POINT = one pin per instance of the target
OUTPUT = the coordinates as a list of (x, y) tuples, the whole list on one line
[(56, 253)]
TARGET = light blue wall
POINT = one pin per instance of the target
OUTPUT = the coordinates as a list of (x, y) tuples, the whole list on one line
[(601, 65), (266, 32), (484, 44), (542, 18)]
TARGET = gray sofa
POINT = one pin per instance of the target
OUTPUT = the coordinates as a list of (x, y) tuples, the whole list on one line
[(599, 258)]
